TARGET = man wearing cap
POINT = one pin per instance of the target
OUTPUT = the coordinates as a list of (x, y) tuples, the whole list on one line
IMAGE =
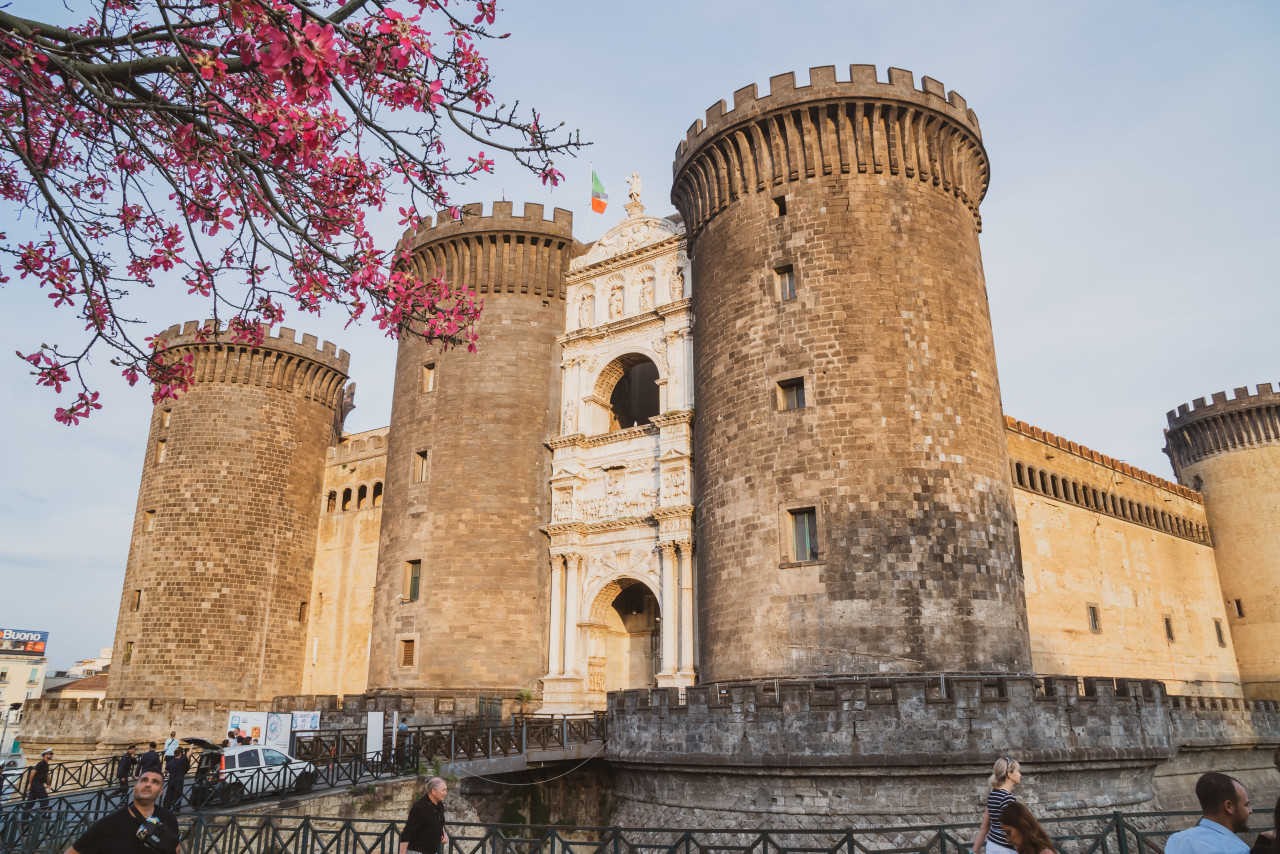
[(140, 826), (124, 769), (39, 790)]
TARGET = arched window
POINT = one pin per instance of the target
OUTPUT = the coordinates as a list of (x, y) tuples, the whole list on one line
[(630, 383), (1095, 498), (1075, 492), (1019, 473), (1031, 478), (1044, 482), (331, 504), (346, 500), (1053, 484), (377, 494), (362, 496)]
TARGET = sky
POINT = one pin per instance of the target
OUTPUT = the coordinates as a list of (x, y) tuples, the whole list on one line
[(1129, 232)]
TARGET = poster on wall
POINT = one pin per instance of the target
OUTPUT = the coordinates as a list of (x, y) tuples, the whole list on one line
[(373, 735), (278, 729), (249, 724), (306, 721)]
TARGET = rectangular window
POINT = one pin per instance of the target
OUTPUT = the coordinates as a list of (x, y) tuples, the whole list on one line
[(1168, 628), (302, 612), (1217, 627), (35, 676), (137, 601), (160, 451), (148, 520), (780, 205), (1095, 624), (786, 278), (412, 580), (791, 394), (4, 675), (128, 652), (429, 376), (804, 533), (164, 417), (1239, 608), (406, 653), (420, 461)]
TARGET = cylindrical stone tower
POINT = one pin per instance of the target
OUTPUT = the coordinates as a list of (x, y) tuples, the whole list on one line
[(463, 568), (1229, 450), (854, 505), (224, 541)]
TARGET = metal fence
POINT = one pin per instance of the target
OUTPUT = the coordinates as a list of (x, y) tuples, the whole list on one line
[(1105, 833)]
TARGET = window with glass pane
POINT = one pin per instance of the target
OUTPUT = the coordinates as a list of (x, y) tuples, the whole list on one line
[(804, 533), (791, 394), (412, 580), (249, 759), (275, 757), (786, 283)]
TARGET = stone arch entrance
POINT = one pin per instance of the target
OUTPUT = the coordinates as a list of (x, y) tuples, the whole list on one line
[(623, 630), (629, 387)]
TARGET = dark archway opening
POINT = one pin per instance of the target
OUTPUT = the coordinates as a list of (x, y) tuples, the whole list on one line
[(635, 396)]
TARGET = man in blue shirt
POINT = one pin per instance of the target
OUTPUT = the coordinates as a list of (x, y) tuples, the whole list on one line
[(1226, 809)]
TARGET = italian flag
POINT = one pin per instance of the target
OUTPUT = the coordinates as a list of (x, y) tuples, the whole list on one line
[(599, 198)]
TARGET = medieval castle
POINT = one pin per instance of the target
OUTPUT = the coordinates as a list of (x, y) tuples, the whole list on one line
[(739, 473)]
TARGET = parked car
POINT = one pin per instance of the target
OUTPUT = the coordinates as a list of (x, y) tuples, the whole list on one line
[(225, 776)]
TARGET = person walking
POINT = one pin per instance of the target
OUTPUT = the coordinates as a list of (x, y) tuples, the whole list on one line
[(1024, 833), (171, 746), (1006, 774), (1225, 807), (124, 769), (424, 830), (150, 761), (39, 790), (140, 826), (176, 769)]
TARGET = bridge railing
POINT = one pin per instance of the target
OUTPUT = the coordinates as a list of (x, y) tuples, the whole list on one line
[(1099, 833)]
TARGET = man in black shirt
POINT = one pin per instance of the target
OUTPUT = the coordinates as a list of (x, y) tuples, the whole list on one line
[(424, 831), (149, 761), (177, 769), (122, 831), (39, 790), (124, 769)]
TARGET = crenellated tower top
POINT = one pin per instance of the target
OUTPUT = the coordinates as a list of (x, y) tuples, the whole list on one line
[(1200, 430), (829, 127)]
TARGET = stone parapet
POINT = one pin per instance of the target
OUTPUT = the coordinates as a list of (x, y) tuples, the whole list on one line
[(1201, 430)]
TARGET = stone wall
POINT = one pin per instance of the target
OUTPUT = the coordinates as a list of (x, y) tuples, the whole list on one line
[(220, 563), (1097, 533), (338, 634), (864, 194)]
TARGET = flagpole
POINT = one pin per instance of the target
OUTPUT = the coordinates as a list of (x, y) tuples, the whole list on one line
[(591, 205)]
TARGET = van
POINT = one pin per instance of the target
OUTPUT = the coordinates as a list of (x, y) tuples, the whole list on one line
[(225, 776)]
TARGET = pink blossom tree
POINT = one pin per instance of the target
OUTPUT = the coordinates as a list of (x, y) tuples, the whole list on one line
[(235, 147)]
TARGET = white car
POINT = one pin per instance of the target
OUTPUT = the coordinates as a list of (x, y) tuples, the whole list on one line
[(228, 775)]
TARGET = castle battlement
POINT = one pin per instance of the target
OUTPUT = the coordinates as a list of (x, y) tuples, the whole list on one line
[(862, 83), (359, 446), (1197, 409), (1202, 430), (1093, 456), (282, 339), (501, 218)]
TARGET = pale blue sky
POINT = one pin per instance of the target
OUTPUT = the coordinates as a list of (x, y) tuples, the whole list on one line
[(1129, 232)]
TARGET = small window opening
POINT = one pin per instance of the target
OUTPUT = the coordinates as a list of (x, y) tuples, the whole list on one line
[(804, 533), (302, 612), (412, 580), (1217, 628), (420, 461), (128, 652), (377, 494), (1168, 628), (791, 394), (786, 277), (1239, 608), (362, 495), (1053, 484), (780, 205), (165, 415), (346, 500), (429, 377), (160, 450), (406, 653), (331, 504), (136, 603), (148, 520), (1031, 478), (1095, 624), (1044, 482), (1022, 480)]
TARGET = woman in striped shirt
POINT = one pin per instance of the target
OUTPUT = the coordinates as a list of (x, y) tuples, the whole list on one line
[(1004, 776)]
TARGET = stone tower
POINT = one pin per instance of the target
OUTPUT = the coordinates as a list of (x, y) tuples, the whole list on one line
[(1229, 450), (463, 566), (220, 564), (854, 502)]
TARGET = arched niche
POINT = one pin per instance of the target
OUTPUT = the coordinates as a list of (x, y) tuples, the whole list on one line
[(628, 388)]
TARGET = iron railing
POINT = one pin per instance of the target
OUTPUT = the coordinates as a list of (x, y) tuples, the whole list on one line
[(1105, 833)]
